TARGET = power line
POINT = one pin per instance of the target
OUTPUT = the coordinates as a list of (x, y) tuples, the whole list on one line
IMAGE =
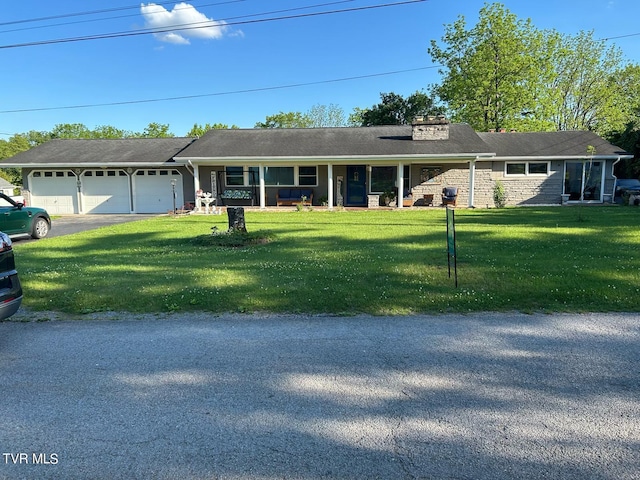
[(201, 25), (176, 8), (621, 36), (219, 94), (96, 12)]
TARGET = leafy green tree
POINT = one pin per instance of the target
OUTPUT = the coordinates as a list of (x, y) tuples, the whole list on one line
[(35, 137), (628, 136), (326, 116), (394, 109), (9, 148), (505, 73), (15, 144), (156, 130), (491, 71), (12, 175), (70, 130), (627, 81), (286, 120), (584, 93), (356, 117), (628, 139), (79, 130), (199, 130), (318, 116), (108, 131)]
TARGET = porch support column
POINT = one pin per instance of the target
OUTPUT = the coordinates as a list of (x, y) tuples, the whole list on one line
[(196, 178), (263, 190), (472, 181), (196, 186), (330, 186), (79, 189), (400, 185)]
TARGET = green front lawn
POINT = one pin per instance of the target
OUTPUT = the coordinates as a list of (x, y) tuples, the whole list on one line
[(346, 262)]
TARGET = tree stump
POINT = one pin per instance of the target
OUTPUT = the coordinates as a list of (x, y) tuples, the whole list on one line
[(236, 219)]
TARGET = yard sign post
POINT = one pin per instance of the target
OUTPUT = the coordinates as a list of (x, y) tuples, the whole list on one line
[(451, 243)]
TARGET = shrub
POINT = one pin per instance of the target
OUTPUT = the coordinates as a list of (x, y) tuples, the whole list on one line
[(499, 194)]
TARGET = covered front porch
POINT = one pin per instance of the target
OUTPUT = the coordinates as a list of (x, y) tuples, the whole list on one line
[(342, 183)]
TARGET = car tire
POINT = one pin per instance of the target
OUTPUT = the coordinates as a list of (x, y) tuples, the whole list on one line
[(40, 227)]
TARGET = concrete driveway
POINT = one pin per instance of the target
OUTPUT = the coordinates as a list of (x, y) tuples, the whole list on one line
[(195, 396)]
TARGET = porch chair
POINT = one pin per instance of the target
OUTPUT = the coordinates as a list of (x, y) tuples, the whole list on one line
[(449, 196)]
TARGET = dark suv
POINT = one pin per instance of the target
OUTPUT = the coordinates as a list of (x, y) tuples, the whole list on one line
[(10, 288)]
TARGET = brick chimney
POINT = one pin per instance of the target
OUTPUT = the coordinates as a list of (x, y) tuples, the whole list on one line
[(428, 127)]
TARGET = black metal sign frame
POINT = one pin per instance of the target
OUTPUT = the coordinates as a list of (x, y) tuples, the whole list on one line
[(451, 243)]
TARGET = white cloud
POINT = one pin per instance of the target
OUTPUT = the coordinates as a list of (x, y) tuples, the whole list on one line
[(183, 15)]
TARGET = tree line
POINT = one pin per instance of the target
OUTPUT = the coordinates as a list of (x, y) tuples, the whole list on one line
[(502, 72)]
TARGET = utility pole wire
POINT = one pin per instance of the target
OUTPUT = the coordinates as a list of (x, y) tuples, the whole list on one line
[(96, 12), (176, 8), (208, 24), (219, 94)]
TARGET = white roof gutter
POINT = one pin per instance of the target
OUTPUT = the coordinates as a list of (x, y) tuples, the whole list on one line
[(533, 158), (71, 166), (615, 179), (343, 159)]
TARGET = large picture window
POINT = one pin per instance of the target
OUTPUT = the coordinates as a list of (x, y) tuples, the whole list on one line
[(279, 176), (539, 168), (273, 176), (383, 179)]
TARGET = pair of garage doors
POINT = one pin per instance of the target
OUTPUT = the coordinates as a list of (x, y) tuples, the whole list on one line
[(106, 191)]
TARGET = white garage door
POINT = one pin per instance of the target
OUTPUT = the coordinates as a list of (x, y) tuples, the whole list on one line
[(153, 193), (55, 191), (105, 191)]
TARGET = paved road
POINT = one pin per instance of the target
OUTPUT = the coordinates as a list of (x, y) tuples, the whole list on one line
[(487, 396)]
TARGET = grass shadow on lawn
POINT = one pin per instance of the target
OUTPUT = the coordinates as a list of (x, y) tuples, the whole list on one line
[(343, 263)]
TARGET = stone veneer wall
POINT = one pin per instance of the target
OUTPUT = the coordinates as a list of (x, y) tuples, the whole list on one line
[(453, 175), (520, 190), (531, 190)]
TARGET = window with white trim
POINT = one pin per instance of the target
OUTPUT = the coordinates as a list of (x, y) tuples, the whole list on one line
[(273, 176), (308, 176), (279, 176), (57, 173), (527, 168), (234, 176)]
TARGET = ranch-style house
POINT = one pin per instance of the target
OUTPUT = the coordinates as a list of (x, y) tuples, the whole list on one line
[(350, 167)]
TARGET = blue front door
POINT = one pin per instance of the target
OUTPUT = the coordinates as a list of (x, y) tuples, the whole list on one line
[(356, 186)]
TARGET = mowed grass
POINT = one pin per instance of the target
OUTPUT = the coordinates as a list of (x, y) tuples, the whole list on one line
[(346, 262)]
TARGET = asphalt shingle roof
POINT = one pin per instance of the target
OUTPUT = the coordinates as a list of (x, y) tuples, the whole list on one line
[(331, 142), (382, 141), (69, 152), (553, 144)]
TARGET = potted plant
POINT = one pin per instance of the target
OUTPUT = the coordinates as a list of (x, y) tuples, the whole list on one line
[(388, 196)]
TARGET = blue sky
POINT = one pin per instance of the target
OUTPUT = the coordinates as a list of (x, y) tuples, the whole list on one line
[(233, 54)]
